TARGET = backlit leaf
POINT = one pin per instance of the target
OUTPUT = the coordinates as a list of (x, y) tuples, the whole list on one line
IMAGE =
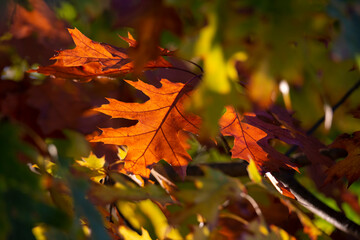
[(252, 143), (90, 59), (156, 134)]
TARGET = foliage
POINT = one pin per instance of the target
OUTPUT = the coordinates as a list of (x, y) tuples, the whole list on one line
[(129, 140)]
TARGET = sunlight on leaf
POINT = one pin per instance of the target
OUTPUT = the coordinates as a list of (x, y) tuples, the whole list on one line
[(129, 234), (156, 134), (253, 172), (92, 162), (148, 215), (39, 232), (162, 228)]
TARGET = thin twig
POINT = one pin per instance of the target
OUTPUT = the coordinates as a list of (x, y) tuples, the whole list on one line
[(336, 106), (321, 120)]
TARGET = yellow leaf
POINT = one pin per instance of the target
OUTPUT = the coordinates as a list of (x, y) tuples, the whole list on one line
[(92, 162), (129, 234), (253, 172)]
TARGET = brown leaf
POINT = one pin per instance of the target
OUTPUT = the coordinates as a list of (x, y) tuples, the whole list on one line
[(46, 108), (349, 167), (156, 135), (278, 122), (90, 59), (59, 106)]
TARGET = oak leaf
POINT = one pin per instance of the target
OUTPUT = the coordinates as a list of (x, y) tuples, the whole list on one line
[(90, 59), (252, 143), (348, 167), (158, 133), (253, 131)]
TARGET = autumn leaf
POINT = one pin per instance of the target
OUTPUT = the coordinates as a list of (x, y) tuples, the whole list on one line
[(40, 20), (252, 143), (348, 167), (90, 59), (253, 131), (157, 134)]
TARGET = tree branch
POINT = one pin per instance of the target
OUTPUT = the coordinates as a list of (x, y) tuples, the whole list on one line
[(303, 196), (310, 202)]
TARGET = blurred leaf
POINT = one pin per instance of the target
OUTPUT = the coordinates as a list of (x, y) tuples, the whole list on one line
[(24, 203), (262, 88), (75, 145), (204, 196), (129, 234), (92, 162), (148, 215), (350, 165), (94, 166), (126, 190), (216, 88), (66, 11), (273, 232), (39, 19), (84, 208), (254, 174)]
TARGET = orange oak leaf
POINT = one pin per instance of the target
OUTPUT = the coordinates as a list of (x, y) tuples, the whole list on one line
[(252, 143), (348, 167), (90, 59), (158, 133)]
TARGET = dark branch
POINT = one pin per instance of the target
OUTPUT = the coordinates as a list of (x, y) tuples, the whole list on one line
[(309, 201), (303, 196)]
